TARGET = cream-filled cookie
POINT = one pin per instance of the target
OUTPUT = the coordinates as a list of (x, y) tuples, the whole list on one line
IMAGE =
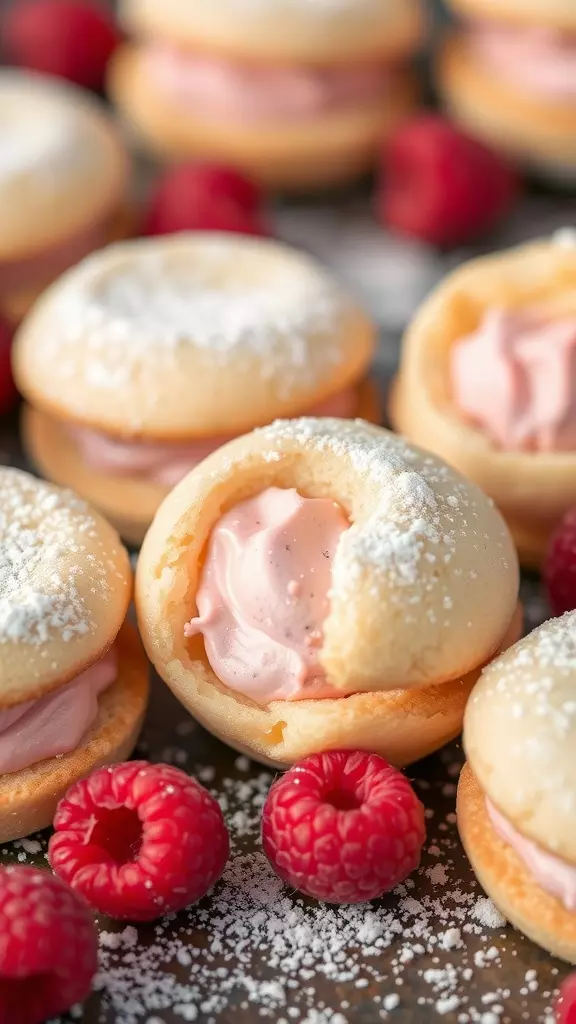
[(149, 355), (320, 584), (517, 793), (510, 78), (546, 14), (487, 381), (63, 183), (73, 675), (296, 94)]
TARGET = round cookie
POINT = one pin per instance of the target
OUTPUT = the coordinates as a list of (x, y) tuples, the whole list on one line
[(298, 95), (533, 489), (65, 587), (63, 179), (519, 736), (424, 590), (289, 31), (326, 150), (547, 14), (535, 128), (206, 335)]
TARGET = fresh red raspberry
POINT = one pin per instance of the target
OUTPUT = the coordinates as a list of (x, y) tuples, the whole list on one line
[(343, 826), (565, 1008), (71, 39), (205, 197), (440, 185), (139, 840), (48, 946), (8, 393), (560, 566)]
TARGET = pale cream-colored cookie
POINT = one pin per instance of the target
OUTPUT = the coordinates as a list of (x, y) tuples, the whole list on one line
[(519, 737), (205, 336), (287, 31), (505, 878), (424, 591), (536, 129), (546, 14), (63, 168), (202, 334), (28, 798), (532, 489), (331, 148), (65, 586)]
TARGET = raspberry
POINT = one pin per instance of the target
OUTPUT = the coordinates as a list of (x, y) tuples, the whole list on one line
[(48, 946), (71, 39), (565, 1009), (205, 197), (8, 393), (560, 566), (343, 826), (139, 840), (440, 185)]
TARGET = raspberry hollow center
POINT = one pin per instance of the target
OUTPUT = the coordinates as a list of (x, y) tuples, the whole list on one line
[(119, 833), (342, 799)]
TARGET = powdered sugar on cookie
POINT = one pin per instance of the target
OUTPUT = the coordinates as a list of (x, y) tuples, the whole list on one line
[(520, 735), (43, 137), (227, 299), (423, 511), (565, 238), (537, 676), (427, 574), (42, 561)]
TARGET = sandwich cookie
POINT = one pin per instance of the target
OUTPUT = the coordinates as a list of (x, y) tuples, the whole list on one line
[(487, 381), (319, 584), (517, 792), (73, 675), (296, 94), (509, 77), (63, 181), (151, 354)]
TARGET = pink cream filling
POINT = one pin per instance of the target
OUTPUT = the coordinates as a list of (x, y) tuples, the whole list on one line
[(515, 377), (543, 61), (55, 724), (167, 464), (215, 87), (264, 595), (552, 874), (49, 263)]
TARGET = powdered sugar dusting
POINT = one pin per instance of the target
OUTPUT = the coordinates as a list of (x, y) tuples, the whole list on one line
[(565, 238), (224, 298), (42, 134), (537, 677), (425, 509), (256, 950), (520, 734), (39, 529)]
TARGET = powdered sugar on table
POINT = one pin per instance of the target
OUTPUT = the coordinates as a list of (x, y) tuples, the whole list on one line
[(255, 950)]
